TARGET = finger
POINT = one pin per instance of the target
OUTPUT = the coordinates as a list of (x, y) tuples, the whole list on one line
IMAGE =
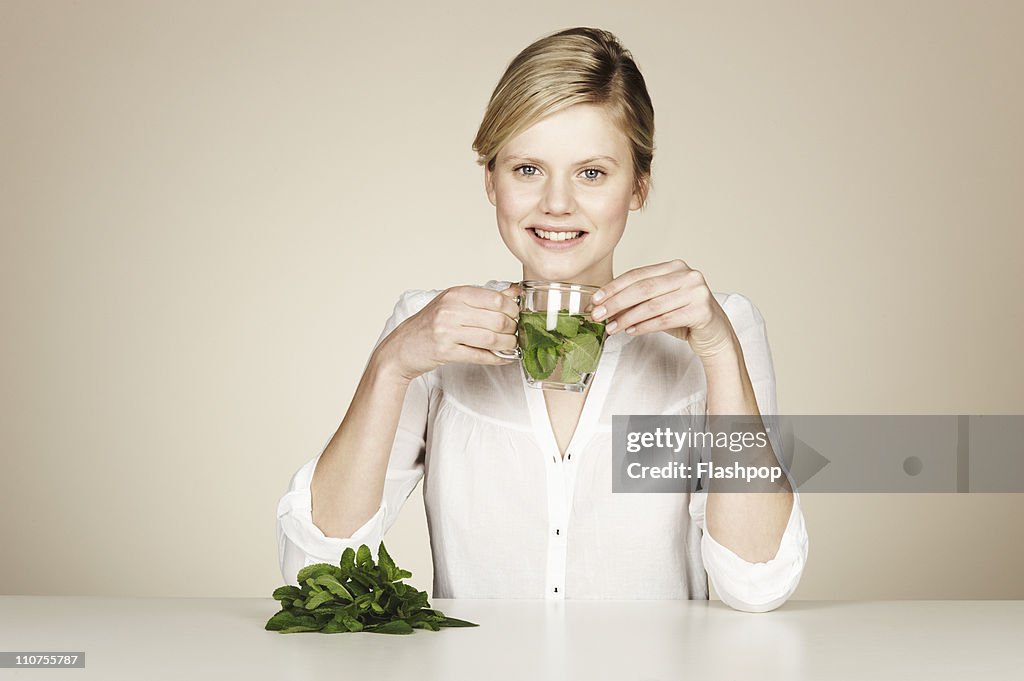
[(636, 294), (649, 309), (489, 299), (491, 320), (674, 319), (510, 308), (513, 290), (620, 282), (485, 339)]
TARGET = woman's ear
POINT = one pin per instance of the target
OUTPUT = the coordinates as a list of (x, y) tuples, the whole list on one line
[(489, 185), (640, 195)]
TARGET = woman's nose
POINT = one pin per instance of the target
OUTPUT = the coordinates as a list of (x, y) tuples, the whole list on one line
[(558, 196)]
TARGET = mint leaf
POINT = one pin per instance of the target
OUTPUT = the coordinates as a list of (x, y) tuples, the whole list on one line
[(287, 593), (393, 627), (532, 363), (333, 627), (452, 622), (385, 561), (534, 324), (288, 623), (536, 319), (332, 584), (280, 621), (569, 375), (348, 560), (426, 624), (356, 588), (548, 359), (316, 600), (352, 624), (314, 571), (567, 325), (582, 354), (363, 579), (301, 627)]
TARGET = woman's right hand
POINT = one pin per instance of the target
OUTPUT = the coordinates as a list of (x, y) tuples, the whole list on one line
[(461, 324)]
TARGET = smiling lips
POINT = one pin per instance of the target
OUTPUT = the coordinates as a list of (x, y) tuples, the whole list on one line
[(558, 240), (555, 236)]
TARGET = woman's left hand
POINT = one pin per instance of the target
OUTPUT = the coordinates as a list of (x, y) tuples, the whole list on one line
[(669, 297)]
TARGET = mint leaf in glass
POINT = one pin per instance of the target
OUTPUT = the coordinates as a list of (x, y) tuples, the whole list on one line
[(547, 357), (532, 364), (582, 353), (567, 325)]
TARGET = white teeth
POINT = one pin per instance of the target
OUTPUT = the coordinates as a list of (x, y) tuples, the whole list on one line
[(556, 236)]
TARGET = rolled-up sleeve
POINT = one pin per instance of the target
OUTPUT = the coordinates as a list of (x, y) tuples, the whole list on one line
[(300, 542), (754, 587), (742, 585)]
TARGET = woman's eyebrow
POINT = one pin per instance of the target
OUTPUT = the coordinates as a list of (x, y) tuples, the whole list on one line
[(528, 159)]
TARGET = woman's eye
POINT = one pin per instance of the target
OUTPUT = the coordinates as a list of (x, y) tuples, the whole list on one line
[(524, 168), (597, 173)]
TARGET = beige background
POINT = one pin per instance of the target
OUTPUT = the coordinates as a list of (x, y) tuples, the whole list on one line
[(209, 209)]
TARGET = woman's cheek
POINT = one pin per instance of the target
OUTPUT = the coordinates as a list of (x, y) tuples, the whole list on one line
[(518, 204)]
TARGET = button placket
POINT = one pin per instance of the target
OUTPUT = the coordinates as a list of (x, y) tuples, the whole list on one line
[(561, 473), (556, 530)]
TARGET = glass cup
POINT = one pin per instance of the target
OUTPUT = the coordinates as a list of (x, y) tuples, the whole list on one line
[(559, 344)]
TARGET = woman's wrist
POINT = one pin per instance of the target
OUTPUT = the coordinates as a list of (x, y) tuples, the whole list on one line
[(726, 356), (729, 388), (385, 365)]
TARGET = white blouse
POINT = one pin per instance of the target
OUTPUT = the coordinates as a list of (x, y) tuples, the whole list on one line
[(510, 518)]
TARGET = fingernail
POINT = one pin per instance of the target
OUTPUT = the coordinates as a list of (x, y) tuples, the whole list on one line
[(598, 312), (611, 326), (598, 296)]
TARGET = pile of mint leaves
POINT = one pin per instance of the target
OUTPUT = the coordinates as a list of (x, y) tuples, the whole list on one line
[(356, 595), (575, 340)]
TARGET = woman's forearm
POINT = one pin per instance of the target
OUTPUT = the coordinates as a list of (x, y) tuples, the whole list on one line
[(348, 482), (750, 524)]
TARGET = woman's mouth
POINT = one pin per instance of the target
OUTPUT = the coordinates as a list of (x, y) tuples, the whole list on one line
[(556, 241)]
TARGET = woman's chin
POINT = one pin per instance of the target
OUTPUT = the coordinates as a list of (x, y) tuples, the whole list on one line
[(568, 267), (554, 274)]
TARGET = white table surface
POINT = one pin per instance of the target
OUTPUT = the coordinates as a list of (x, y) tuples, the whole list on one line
[(210, 638)]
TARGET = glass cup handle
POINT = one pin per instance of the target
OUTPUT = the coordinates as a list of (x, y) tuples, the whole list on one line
[(517, 352)]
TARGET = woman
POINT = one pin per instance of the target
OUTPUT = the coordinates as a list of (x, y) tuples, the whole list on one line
[(517, 481)]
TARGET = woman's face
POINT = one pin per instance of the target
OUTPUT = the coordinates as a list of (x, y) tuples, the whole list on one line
[(571, 172)]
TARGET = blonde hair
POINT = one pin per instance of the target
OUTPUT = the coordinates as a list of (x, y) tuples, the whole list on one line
[(575, 66)]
